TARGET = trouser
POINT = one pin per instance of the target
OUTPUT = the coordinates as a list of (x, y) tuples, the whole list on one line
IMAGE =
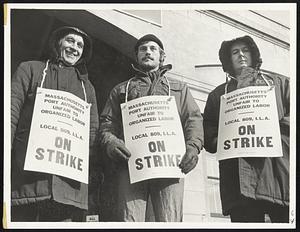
[(166, 197), (254, 211), (46, 211)]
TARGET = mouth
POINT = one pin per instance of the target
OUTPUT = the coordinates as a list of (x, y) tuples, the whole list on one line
[(70, 53), (147, 58), (243, 61)]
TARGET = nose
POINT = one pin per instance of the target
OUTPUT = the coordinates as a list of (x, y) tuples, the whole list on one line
[(241, 53), (73, 46), (148, 50)]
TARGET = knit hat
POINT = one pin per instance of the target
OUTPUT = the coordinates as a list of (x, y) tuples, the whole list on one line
[(63, 31), (225, 55), (148, 37)]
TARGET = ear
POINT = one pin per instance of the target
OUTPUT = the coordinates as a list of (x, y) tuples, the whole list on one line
[(162, 57)]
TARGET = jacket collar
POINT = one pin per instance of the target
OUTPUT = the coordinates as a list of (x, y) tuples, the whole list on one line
[(80, 69), (158, 73)]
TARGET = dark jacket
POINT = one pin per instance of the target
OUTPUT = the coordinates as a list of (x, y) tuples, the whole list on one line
[(30, 187), (155, 83), (251, 178)]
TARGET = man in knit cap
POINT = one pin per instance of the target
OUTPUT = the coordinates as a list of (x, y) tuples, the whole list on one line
[(40, 196), (150, 79), (252, 186)]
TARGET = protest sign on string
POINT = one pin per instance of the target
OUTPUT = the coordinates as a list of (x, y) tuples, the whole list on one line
[(59, 135), (248, 124), (154, 136)]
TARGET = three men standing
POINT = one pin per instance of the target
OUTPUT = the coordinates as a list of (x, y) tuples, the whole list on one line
[(250, 187)]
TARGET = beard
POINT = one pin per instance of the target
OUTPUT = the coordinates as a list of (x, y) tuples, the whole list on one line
[(148, 65)]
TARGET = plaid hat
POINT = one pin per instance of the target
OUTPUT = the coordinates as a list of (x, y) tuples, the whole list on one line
[(148, 37)]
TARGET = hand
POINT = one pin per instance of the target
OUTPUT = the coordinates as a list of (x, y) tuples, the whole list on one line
[(117, 151), (189, 161), (247, 77)]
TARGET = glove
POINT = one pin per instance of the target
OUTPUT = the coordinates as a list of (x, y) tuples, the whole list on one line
[(247, 77), (117, 151), (189, 160)]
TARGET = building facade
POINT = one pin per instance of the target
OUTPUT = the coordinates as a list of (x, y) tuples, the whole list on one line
[(191, 38)]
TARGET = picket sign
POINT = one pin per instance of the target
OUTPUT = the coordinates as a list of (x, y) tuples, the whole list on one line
[(154, 136), (59, 135), (248, 124)]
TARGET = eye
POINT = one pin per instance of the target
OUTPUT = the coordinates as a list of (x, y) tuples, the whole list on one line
[(245, 49), (153, 48), (142, 48), (80, 45), (70, 40), (235, 51)]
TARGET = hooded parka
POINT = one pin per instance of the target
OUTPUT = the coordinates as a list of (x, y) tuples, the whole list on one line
[(31, 187), (265, 179)]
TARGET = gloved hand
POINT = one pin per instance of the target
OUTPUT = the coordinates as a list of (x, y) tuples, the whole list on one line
[(247, 77), (189, 160), (117, 151)]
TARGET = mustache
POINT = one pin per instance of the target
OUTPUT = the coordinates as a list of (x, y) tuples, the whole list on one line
[(147, 57)]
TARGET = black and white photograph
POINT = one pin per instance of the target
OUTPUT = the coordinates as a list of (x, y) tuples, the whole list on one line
[(149, 115)]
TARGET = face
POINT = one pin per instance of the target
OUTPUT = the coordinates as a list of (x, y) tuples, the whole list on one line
[(240, 56), (71, 48), (148, 56)]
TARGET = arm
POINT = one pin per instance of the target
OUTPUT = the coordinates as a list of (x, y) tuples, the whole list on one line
[(193, 130), (286, 102), (192, 121), (94, 127), (111, 128), (19, 86), (284, 122), (110, 119), (211, 123), (94, 118)]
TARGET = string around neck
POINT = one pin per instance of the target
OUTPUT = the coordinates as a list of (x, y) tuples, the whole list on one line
[(44, 77), (127, 87)]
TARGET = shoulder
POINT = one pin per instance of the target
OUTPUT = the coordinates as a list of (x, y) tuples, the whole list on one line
[(119, 88), (176, 84), (31, 68), (32, 64), (275, 78), (218, 91), (91, 87)]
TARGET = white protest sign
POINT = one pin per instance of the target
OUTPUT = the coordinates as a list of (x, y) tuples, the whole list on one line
[(59, 135), (154, 136), (248, 124)]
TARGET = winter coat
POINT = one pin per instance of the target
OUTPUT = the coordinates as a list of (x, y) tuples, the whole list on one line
[(30, 187), (251, 178), (153, 83)]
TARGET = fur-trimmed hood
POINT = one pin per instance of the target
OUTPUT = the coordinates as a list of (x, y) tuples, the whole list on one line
[(225, 57), (63, 31)]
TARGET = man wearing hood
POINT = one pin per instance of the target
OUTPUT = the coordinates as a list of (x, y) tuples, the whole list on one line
[(150, 79), (250, 187), (40, 196)]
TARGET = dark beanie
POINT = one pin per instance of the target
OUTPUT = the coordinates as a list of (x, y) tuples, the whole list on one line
[(148, 37)]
